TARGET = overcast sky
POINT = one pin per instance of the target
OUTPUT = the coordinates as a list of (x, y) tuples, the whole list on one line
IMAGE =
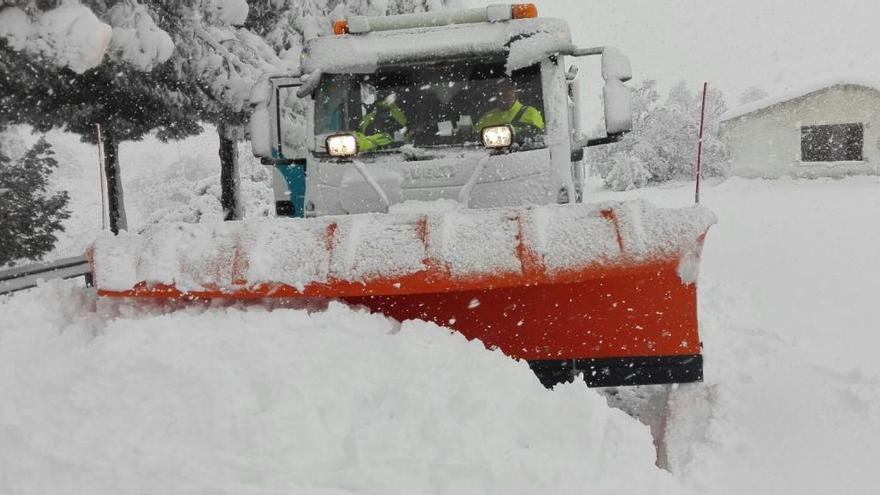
[(773, 44)]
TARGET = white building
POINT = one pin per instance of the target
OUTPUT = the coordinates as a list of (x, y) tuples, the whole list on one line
[(830, 129)]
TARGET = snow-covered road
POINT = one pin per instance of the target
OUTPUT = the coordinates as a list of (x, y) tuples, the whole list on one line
[(788, 306), (788, 303), (104, 397)]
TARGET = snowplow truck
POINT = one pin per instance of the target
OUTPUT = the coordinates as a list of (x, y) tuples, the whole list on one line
[(437, 175)]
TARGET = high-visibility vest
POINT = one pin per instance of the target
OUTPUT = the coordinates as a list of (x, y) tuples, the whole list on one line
[(370, 138), (518, 115)]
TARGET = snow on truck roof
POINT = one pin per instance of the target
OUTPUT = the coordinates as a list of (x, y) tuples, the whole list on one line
[(522, 41), (794, 94)]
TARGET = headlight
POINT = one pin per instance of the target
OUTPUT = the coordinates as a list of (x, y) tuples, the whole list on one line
[(497, 136), (342, 145)]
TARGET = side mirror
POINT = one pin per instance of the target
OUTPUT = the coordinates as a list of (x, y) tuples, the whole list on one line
[(616, 70), (259, 125), (266, 122), (615, 65), (618, 107)]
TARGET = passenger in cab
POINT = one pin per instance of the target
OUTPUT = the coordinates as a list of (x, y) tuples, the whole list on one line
[(384, 125)]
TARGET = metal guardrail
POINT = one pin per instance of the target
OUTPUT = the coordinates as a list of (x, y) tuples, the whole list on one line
[(25, 277)]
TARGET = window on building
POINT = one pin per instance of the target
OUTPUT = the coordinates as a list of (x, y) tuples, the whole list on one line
[(832, 143)]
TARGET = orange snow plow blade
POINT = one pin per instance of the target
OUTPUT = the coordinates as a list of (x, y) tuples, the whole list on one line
[(606, 289)]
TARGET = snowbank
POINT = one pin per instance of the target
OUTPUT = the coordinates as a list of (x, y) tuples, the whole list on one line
[(107, 398)]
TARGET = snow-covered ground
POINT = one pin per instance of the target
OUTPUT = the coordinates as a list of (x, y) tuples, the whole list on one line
[(788, 306), (100, 396)]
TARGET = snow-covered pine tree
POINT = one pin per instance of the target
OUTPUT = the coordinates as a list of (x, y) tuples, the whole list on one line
[(127, 102), (220, 61), (217, 48), (60, 78), (29, 213)]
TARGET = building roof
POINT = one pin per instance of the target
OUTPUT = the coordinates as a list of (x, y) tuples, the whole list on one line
[(774, 100)]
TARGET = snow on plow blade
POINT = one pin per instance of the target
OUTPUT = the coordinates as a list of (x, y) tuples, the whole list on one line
[(608, 289)]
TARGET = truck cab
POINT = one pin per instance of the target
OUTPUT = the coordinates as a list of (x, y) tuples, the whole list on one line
[(411, 108)]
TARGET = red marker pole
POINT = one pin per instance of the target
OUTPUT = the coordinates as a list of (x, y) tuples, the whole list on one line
[(101, 174), (700, 145)]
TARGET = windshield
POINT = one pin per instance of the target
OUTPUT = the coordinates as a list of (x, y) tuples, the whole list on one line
[(442, 104)]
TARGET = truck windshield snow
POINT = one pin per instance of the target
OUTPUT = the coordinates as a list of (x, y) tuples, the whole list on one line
[(435, 105)]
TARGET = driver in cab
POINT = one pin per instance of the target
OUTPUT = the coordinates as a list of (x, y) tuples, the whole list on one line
[(527, 121)]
